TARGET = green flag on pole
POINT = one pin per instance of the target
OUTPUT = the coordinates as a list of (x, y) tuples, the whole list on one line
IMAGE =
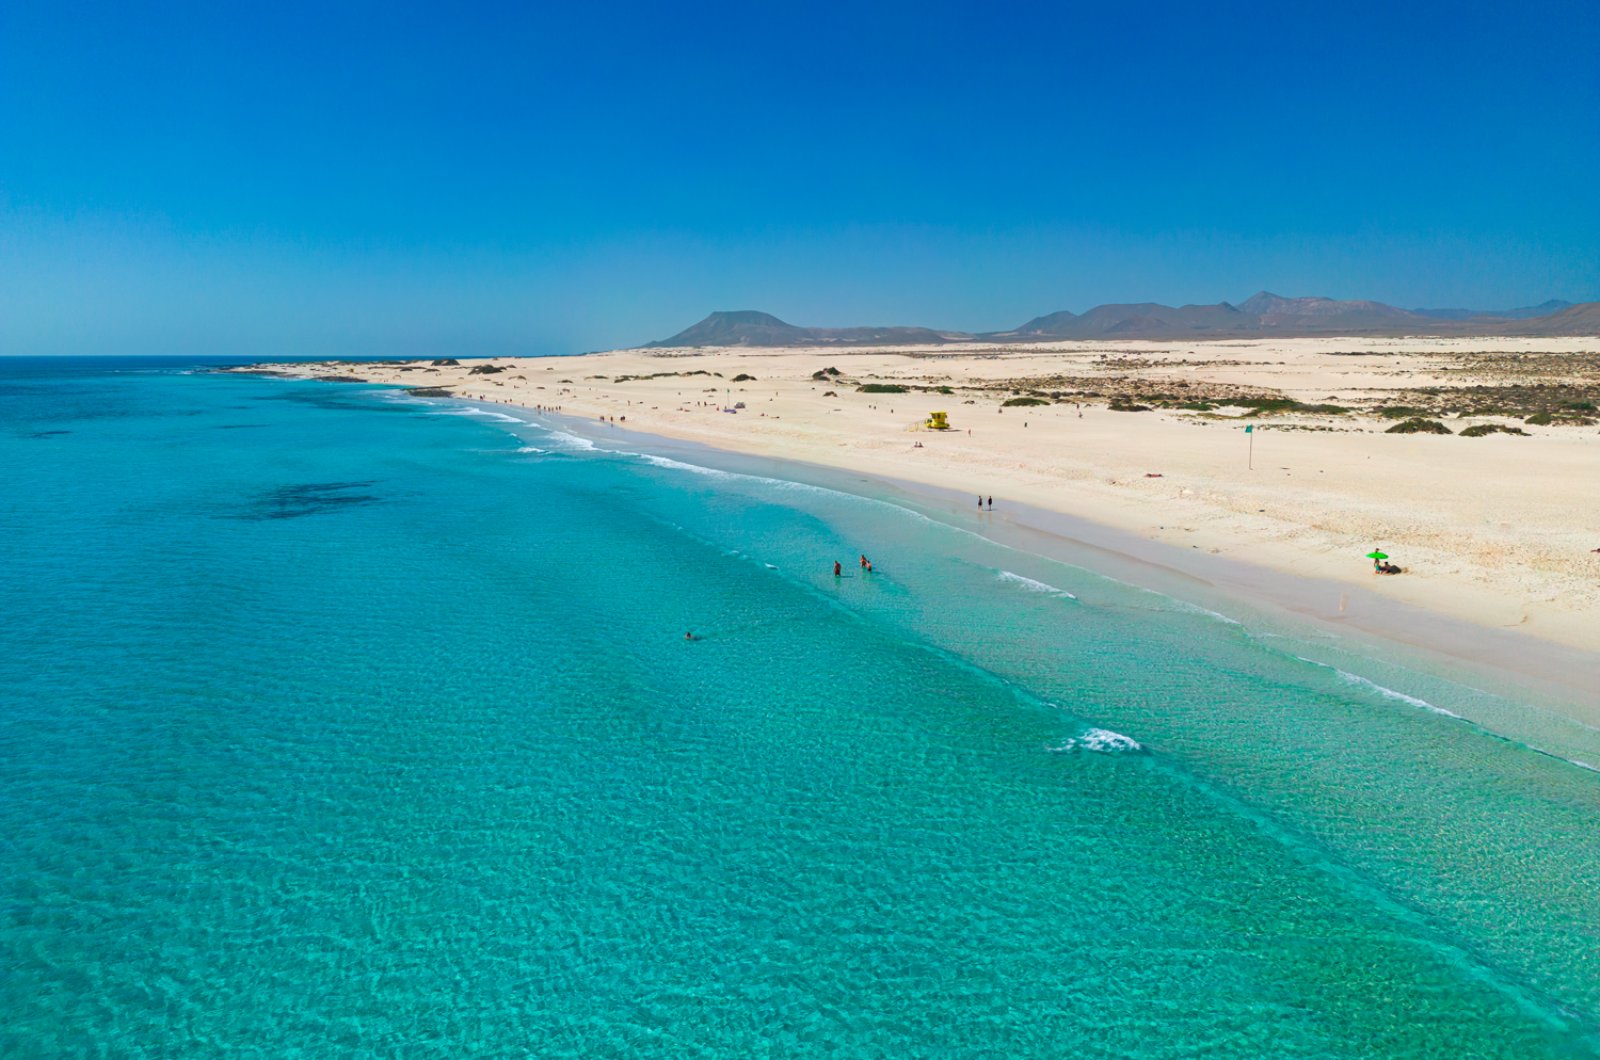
[(1249, 428)]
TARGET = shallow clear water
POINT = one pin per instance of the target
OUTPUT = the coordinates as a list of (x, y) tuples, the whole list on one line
[(338, 723)]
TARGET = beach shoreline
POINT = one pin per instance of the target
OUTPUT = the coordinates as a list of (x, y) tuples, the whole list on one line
[(1560, 675), (1165, 487)]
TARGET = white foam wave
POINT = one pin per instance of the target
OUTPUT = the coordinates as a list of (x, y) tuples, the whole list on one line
[(531, 449), (1382, 690), (1389, 693), (679, 465), (1186, 607), (486, 414), (571, 442), (786, 485), (1033, 586), (789, 485), (1101, 741), (401, 397), (498, 417)]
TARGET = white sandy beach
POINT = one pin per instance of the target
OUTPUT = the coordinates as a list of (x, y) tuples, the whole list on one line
[(1497, 530)]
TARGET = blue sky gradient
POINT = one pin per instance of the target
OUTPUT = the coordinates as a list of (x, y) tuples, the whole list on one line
[(294, 179)]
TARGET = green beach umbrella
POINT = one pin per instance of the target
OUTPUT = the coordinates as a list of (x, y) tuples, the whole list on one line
[(1375, 554)]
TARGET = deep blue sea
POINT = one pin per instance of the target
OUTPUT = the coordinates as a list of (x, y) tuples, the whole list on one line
[(339, 723)]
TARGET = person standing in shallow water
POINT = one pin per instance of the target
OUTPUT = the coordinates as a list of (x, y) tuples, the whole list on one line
[(838, 571)]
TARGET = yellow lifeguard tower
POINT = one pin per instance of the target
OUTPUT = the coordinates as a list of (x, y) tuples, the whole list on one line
[(938, 421)]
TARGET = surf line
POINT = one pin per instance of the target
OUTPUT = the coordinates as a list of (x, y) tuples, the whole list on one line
[(1385, 692)]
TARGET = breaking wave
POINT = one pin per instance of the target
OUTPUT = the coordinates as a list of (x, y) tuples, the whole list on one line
[(488, 414), (1383, 690), (1101, 741), (1033, 586), (679, 465)]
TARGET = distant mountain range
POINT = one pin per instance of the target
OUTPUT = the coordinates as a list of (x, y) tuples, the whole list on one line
[(1264, 315), (1543, 309)]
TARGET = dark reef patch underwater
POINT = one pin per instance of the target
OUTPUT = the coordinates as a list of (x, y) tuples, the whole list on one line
[(307, 498)]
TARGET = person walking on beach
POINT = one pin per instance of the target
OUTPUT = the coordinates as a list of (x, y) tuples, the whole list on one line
[(980, 504), (991, 504)]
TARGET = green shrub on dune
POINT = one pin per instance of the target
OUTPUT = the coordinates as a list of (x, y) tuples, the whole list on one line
[(1417, 425), (1266, 406), (1559, 419)]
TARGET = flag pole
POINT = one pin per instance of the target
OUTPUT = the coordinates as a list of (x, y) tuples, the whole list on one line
[(1250, 431)]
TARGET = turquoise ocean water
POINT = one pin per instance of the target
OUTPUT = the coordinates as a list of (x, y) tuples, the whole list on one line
[(338, 723)]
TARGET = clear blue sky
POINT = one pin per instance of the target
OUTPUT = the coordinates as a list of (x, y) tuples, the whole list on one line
[(324, 178)]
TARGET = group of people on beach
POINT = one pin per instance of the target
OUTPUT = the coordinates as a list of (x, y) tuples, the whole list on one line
[(838, 568), (980, 503)]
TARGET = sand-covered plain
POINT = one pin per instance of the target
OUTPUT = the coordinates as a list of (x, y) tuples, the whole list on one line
[(1149, 438)]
